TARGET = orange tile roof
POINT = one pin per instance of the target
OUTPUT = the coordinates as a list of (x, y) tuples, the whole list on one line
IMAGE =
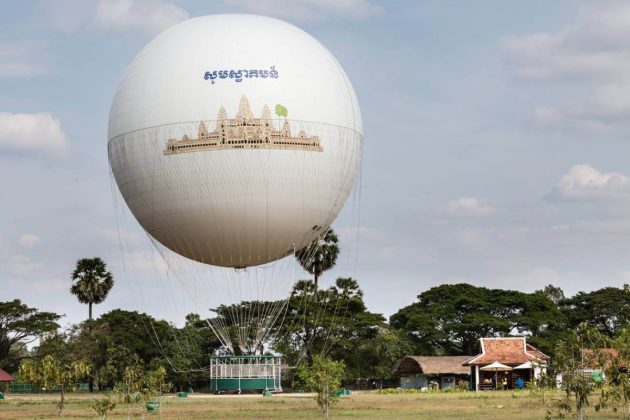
[(610, 353), (507, 350)]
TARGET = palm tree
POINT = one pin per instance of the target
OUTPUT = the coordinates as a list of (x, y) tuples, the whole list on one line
[(91, 282), (320, 255)]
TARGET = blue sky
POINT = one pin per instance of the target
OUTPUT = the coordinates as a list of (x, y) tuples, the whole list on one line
[(496, 140)]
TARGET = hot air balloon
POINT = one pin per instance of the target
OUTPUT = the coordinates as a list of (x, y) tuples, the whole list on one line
[(235, 141)]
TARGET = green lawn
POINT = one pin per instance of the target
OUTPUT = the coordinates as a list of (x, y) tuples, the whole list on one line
[(462, 405)]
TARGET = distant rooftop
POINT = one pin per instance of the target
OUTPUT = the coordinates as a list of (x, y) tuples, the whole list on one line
[(6, 377)]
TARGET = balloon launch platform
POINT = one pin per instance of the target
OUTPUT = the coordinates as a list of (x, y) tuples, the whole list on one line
[(245, 373)]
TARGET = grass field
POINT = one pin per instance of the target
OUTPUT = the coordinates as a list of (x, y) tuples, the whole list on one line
[(462, 405)]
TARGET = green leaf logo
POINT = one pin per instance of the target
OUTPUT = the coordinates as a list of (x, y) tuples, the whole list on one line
[(281, 111)]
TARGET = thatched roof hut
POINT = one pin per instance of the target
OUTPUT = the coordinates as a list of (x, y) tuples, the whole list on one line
[(432, 365)]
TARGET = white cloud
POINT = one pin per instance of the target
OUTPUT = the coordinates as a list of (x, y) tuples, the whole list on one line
[(19, 264), (29, 240), (590, 56), (64, 15), (584, 181), (39, 132), (14, 263), (147, 16), (22, 59), (36, 285), (594, 45), (310, 10), (592, 247), (469, 206)]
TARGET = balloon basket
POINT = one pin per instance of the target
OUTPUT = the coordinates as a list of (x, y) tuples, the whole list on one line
[(245, 373)]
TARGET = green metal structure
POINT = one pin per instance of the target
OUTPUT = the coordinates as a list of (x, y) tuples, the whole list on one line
[(245, 373), (18, 387)]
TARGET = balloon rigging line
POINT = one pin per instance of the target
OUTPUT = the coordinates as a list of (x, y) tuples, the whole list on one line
[(265, 314)]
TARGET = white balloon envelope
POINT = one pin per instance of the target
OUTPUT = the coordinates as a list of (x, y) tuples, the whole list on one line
[(235, 139)]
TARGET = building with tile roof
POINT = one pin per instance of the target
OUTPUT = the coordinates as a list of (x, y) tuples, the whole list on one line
[(524, 361)]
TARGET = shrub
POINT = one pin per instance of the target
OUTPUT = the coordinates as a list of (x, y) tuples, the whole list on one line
[(104, 406)]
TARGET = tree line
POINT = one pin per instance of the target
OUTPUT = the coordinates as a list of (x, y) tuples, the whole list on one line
[(445, 320), (333, 323)]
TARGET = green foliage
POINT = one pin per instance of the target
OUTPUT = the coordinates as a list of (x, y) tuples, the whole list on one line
[(117, 359), (19, 326), (187, 349), (89, 341), (451, 318), (122, 338), (462, 386), (51, 372), (608, 309), (541, 387), (338, 325), (394, 391), (320, 255), (324, 378), (123, 345), (574, 358), (132, 383), (140, 386), (389, 346), (104, 405), (622, 341), (243, 329), (138, 332), (553, 293), (91, 282), (616, 391)]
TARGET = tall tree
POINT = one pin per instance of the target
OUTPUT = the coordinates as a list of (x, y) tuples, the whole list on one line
[(89, 341), (450, 319), (323, 377), (138, 332), (320, 255), (388, 346), (608, 309), (580, 352), (20, 325), (91, 282), (337, 326), (554, 293), (51, 372)]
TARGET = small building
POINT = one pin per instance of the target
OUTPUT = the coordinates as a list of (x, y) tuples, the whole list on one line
[(5, 380), (424, 372), (595, 362), (521, 362), (605, 355)]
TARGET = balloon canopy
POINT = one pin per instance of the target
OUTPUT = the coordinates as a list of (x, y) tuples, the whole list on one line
[(235, 139)]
